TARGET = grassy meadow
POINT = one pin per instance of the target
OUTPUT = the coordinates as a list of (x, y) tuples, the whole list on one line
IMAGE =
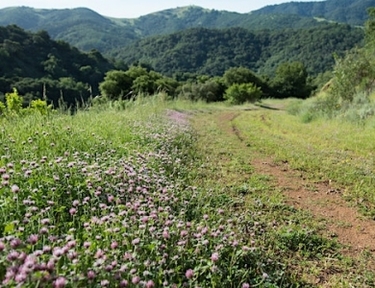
[(157, 194)]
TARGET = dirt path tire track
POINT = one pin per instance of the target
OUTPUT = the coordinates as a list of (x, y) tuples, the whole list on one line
[(352, 230)]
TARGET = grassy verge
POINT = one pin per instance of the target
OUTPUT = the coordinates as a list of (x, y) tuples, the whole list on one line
[(290, 239), (328, 150), (105, 198), (132, 196)]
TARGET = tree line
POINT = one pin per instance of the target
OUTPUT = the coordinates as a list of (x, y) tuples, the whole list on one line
[(209, 65)]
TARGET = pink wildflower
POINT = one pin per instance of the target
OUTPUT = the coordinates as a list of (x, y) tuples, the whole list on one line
[(150, 284), (60, 282), (189, 273), (136, 280), (215, 257), (15, 189)]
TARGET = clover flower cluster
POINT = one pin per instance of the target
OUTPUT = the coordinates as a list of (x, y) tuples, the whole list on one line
[(88, 219)]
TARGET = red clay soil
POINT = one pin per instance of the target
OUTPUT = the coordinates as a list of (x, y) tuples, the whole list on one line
[(320, 199)]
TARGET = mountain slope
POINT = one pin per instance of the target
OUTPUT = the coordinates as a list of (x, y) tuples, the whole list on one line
[(178, 19), (30, 61), (86, 29), (212, 51), (81, 27), (353, 12)]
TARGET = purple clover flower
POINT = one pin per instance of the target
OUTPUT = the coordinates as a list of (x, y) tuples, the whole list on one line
[(189, 273)]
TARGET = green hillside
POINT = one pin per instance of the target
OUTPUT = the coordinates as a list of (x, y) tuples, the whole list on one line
[(31, 61), (212, 51), (86, 29), (81, 27), (353, 12)]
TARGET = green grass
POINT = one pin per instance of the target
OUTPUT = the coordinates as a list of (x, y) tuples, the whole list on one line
[(328, 150), (291, 237), (116, 196), (126, 193)]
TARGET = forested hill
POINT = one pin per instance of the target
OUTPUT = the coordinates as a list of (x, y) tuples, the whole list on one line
[(353, 12), (86, 29), (33, 62), (213, 51), (80, 27)]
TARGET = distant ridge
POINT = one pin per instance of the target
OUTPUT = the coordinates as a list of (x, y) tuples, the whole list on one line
[(353, 12), (87, 30)]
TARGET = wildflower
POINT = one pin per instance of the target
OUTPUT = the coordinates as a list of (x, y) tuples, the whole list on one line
[(33, 239), (166, 234), (215, 257), (47, 249), (136, 280), (114, 245), (91, 275), (60, 282), (150, 284), (43, 230), (245, 285), (20, 277), (51, 265), (136, 241), (189, 273), (15, 243), (104, 283), (123, 283), (13, 255), (58, 252), (72, 211), (71, 244), (99, 253), (27, 173), (15, 189), (2, 246)]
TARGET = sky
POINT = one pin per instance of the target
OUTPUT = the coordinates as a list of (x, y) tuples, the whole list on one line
[(136, 8)]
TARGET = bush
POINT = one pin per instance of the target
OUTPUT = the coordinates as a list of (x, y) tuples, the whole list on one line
[(13, 101), (352, 74), (209, 91), (40, 106), (241, 93)]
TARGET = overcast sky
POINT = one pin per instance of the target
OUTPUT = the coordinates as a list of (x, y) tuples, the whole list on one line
[(136, 8)]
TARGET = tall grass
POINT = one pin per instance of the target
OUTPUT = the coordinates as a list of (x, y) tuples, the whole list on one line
[(105, 198)]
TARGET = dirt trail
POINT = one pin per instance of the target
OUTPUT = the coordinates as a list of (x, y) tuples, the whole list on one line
[(324, 202)]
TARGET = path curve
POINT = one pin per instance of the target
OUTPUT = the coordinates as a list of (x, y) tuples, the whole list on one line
[(352, 230)]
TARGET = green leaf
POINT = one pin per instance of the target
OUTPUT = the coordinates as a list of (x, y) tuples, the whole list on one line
[(9, 228)]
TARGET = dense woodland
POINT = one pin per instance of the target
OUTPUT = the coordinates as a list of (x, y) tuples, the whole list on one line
[(345, 11), (213, 51), (87, 30), (35, 64), (196, 63)]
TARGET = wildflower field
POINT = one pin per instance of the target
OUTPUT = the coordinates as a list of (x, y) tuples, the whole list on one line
[(106, 198), (142, 195)]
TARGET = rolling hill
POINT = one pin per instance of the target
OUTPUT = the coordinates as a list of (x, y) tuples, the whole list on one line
[(86, 29), (212, 51), (353, 12)]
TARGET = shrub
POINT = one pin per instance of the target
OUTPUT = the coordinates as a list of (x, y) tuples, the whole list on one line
[(241, 93), (40, 106), (13, 101), (209, 91), (2, 108)]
